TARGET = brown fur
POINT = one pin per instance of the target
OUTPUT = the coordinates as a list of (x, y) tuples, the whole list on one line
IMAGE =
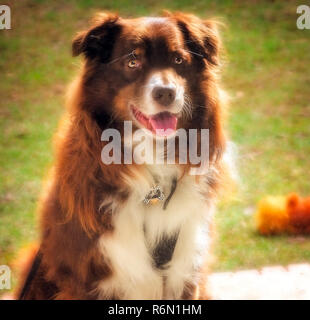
[(71, 221)]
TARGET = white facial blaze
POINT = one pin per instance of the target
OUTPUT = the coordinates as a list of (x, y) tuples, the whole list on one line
[(158, 79)]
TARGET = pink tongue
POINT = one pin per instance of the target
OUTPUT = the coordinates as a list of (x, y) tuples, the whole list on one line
[(164, 123)]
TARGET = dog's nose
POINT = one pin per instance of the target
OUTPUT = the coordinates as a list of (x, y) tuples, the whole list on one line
[(163, 95)]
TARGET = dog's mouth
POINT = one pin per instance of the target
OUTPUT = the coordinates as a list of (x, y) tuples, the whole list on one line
[(161, 124)]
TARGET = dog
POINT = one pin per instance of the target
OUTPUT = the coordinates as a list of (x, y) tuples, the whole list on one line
[(133, 231)]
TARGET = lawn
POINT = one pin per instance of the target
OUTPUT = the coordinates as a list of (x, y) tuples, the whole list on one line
[(266, 74)]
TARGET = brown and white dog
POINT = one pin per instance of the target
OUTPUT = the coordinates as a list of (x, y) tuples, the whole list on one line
[(99, 239)]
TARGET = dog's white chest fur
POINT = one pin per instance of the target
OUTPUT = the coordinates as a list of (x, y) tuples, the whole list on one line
[(140, 227)]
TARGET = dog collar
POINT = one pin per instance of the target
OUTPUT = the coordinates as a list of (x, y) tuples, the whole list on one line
[(156, 194)]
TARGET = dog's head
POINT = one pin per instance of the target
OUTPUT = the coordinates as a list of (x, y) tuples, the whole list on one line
[(158, 72)]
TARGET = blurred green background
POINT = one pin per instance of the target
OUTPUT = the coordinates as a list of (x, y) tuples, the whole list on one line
[(267, 75)]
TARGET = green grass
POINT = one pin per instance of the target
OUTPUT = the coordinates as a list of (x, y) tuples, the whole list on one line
[(267, 76)]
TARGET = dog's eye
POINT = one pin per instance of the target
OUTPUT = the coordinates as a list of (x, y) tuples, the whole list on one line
[(178, 60), (133, 63)]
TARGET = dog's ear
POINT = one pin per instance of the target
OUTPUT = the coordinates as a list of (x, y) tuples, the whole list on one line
[(200, 36), (99, 39), (212, 40)]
